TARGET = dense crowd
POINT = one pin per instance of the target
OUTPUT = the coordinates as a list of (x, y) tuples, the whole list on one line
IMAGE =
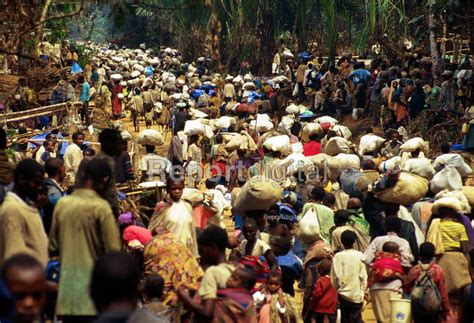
[(382, 219)]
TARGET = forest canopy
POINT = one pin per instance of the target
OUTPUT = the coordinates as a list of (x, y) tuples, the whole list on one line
[(234, 31)]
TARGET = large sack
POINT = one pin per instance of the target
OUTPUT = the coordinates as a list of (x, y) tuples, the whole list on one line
[(116, 77), (414, 144), (369, 143), (454, 160), (297, 148), (193, 127), (337, 145), (468, 192), (261, 125), (327, 119), (278, 143), (285, 125), (310, 129), (227, 136), (446, 179), (349, 179), (465, 205), (390, 164), (408, 189), (242, 141), (259, 193), (150, 137), (292, 109), (319, 160), (224, 122), (296, 162), (337, 164), (342, 131), (309, 226), (419, 166), (193, 196)]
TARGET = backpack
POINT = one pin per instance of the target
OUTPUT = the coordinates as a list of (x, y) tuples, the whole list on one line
[(426, 297)]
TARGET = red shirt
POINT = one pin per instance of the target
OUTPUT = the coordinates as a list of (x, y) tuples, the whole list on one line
[(324, 298), (312, 148)]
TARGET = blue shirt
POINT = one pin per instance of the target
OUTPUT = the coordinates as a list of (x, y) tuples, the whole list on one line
[(360, 76), (85, 92)]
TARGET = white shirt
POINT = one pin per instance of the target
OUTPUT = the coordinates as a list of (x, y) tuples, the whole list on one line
[(154, 165), (72, 159), (377, 244), (349, 276), (40, 152)]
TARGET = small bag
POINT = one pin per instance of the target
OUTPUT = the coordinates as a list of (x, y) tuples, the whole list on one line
[(465, 129)]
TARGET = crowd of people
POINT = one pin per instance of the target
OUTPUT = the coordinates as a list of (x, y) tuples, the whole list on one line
[(382, 219)]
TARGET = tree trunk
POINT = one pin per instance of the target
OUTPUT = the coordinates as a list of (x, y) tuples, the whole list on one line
[(266, 37), (436, 68)]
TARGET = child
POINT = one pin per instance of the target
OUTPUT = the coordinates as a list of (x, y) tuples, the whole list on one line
[(254, 247), (324, 298), (387, 265), (153, 294), (73, 155), (176, 215), (278, 306), (212, 246), (48, 153), (349, 277), (234, 303), (429, 268)]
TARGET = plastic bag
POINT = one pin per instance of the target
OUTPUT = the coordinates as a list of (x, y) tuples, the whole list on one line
[(75, 68), (309, 226)]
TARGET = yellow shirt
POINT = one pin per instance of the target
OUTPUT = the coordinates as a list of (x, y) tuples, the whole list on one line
[(452, 233), (215, 277)]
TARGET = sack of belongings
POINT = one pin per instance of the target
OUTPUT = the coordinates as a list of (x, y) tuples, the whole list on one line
[(419, 166), (150, 137), (259, 193), (349, 179), (342, 131), (390, 164), (369, 143), (278, 143), (309, 226), (408, 189), (193, 127), (285, 125), (454, 160), (337, 164), (296, 162), (414, 144), (262, 123), (193, 196), (337, 145), (446, 179), (319, 160)]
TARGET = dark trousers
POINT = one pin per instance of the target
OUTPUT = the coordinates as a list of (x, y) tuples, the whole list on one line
[(85, 113), (319, 317), (301, 94), (350, 312)]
